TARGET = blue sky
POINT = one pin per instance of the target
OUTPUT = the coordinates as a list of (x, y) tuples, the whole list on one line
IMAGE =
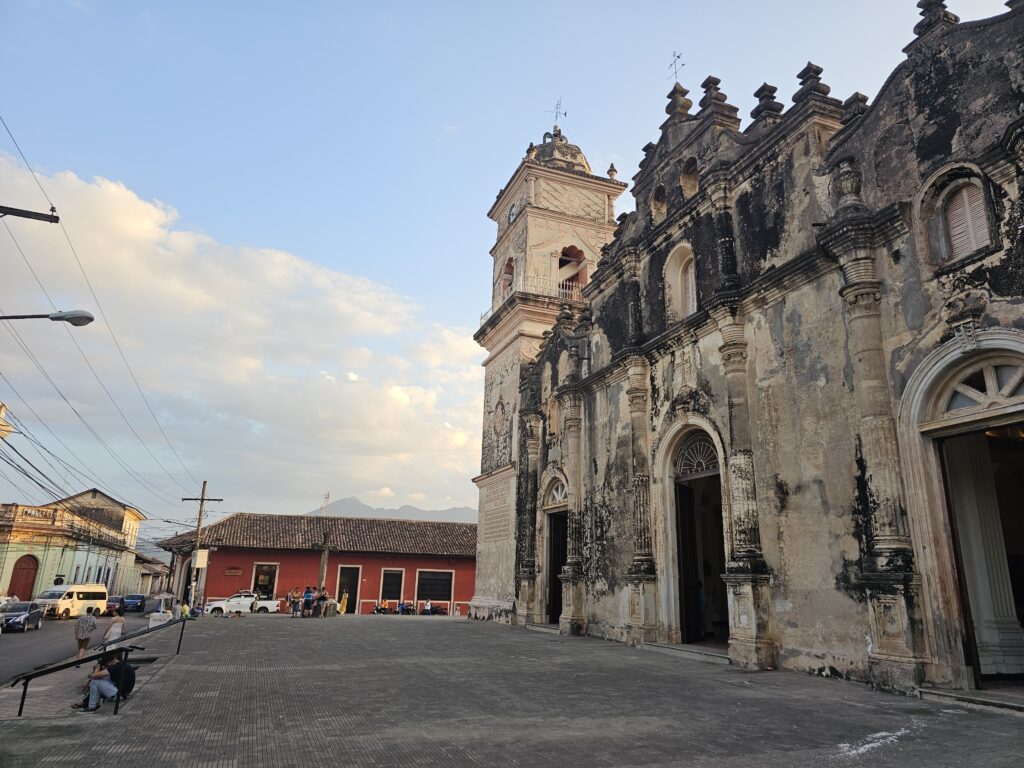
[(367, 140)]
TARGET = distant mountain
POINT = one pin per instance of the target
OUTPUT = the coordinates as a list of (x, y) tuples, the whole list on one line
[(353, 507)]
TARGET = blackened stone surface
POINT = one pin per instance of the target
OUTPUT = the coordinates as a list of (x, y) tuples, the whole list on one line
[(412, 691)]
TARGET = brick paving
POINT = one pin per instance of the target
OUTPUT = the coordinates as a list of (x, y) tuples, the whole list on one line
[(416, 691)]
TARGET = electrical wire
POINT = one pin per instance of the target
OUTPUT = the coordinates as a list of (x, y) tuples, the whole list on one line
[(89, 364), (99, 305), (150, 487)]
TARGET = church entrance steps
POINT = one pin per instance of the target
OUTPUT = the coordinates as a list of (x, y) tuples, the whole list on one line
[(551, 629), (1006, 702), (710, 654)]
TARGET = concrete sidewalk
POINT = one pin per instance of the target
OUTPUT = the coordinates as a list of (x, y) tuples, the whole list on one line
[(413, 691)]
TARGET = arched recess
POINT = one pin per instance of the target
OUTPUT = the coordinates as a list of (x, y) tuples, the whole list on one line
[(553, 505), (689, 183), (664, 532), (572, 273), (924, 418), (954, 211), (23, 577), (680, 283)]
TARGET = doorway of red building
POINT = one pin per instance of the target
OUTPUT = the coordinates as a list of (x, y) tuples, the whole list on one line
[(264, 580), (348, 581)]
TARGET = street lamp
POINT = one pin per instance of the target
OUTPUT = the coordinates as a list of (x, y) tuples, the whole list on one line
[(77, 317)]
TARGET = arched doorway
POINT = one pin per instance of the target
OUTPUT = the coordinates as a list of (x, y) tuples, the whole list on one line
[(556, 551), (23, 577), (700, 542), (976, 420)]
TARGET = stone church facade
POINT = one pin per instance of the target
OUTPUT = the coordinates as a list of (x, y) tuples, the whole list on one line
[(779, 408)]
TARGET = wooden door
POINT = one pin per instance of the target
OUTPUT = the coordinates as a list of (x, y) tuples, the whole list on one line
[(23, 577), (558, 553), (689, 571)]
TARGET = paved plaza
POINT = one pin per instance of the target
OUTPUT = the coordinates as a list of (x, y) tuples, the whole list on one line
[(416, 691)]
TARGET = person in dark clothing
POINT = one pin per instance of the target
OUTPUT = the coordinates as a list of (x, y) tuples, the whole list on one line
[(110, 678)]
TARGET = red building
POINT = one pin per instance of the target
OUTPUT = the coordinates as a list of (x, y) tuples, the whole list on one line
[(371, 559)]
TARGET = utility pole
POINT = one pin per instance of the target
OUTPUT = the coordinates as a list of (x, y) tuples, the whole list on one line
[(202, 499), (50, 217)]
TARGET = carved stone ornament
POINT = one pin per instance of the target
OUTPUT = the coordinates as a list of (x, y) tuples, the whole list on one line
[(966, 306), (846, 181)]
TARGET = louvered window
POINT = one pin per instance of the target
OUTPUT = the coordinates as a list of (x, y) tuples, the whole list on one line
[(965, 221)]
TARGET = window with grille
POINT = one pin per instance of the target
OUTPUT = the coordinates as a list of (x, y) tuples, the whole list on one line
[(966, 223), (434, 585), (391, 585)]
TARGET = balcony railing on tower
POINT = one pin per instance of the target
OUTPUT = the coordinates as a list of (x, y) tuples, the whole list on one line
[(565, 290)]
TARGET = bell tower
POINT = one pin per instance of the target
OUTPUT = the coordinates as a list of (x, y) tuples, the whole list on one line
[(553, 218)]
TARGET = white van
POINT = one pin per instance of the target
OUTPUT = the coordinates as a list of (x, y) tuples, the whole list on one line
[(70, 600)]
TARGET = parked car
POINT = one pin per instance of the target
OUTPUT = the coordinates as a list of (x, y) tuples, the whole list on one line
[(135, 603), (243, 602), (18, 617), (113, 601)]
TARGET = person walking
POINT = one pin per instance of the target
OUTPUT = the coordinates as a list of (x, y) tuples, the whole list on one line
[(115, 629), (84, 628), (343, 605), (295, 601)]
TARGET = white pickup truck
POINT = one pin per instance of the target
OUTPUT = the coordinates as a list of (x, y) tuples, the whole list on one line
[(243, 602)]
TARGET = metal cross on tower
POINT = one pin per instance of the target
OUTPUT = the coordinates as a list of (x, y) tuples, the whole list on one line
[(558, 111), (676, 65)]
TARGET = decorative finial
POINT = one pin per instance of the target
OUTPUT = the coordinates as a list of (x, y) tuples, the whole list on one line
[(935, 19), (711, 93), (612, 173), (531, 151), (855, 106), (767, 107), (810, 83), (678, 104), (933, 13)]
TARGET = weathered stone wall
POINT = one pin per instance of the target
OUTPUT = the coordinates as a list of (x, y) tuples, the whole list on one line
[(823, 281)]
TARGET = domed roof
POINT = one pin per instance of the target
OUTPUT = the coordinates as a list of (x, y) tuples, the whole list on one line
[(557, 152)]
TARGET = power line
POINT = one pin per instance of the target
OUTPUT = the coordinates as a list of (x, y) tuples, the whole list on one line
[(99, 307), (88, 364), (81, 352), (90, 478), (150, 487)]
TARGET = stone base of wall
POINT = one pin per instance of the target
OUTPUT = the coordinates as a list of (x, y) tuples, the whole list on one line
[(502, 611)]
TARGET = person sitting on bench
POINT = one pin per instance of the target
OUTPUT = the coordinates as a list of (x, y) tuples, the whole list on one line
[(110, 678)]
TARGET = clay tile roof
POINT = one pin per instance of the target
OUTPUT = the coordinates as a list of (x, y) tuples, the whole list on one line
[(345, 534)]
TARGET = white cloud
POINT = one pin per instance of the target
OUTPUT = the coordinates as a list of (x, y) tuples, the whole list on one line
[(242, 351)]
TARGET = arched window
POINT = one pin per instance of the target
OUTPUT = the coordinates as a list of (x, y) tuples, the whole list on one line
[(507, 276), (557, 496), (659, 204), (688, 180), (572, 273), (680, 284), (966, 222), (954, 210), (697, 457)]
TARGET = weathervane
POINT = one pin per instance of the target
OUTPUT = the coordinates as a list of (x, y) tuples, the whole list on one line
[(557, 111), (675, 65)]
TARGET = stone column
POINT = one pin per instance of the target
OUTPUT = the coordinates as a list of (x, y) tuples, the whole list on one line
[(641, 578), (572, 620), (747, 578), (527, 607), (887, 570)]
